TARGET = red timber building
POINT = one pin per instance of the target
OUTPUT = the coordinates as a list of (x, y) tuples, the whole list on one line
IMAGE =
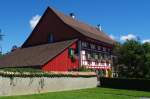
[(62, 43)]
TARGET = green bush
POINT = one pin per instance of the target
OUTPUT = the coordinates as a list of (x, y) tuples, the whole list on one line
[(29, 72), (132, 59), (84, 69)]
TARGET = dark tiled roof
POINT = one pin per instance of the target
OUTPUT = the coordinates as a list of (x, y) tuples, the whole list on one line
[(34, 56), (83, 28)]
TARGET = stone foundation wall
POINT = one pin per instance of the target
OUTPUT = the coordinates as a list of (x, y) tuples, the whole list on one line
[(22, 86)]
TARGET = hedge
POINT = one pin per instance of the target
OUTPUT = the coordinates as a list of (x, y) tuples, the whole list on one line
[(46, 74), (122, 83)]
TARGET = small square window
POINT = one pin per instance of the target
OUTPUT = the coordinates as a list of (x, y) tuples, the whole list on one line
[(50, 38)]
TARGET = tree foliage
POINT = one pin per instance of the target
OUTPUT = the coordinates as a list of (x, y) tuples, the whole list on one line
[(133, 59)]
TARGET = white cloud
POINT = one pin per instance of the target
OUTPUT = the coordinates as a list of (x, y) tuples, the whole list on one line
[(33, 22), (128, 37), (112, 37), (145, 41)]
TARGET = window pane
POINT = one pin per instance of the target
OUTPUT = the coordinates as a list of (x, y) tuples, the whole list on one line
[(50, 38)]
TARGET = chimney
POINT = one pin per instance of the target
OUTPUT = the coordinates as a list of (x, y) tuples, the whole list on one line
[(72, 15), (99, 27)]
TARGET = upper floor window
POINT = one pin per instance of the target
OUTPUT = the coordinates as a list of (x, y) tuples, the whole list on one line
[(98, 47), (85, 44), (71, 52), (88, 56), (108, 50), (100, 55), (104, 49), (96, 56), (92, 46), (50, 38)]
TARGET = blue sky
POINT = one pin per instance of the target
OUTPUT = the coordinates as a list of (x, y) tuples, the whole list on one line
[(121, 19)]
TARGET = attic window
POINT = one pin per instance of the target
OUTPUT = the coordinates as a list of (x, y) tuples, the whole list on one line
[(50, 38)]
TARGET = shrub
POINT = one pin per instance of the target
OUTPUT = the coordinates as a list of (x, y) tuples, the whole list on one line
[(28, 72)]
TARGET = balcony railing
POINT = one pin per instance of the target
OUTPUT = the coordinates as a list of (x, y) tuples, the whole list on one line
[(92, 62)]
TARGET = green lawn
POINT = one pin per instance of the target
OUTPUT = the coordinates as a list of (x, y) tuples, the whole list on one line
[(93, 93)]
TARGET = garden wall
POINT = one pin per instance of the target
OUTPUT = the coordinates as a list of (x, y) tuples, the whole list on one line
[(32, 85)]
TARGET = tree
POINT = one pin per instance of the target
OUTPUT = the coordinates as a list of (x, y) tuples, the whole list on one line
[(133, 59), (14, 47), (116, 55), (146, 67), (1, 37)]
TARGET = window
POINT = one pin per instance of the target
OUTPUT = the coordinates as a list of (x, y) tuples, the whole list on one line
[(106, 56), (99, 47), (85, 44), (103, 55), (71, 52), (88, 56), (96, 56), (108, 50), (50, 38), (104, 49), (92, 55), (99, 56), (92, 46)]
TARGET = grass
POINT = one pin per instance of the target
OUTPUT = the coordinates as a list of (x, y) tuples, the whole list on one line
[(93, 93)]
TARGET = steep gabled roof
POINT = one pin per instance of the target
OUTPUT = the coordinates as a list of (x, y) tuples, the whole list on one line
[(34, 56), (83, 28)]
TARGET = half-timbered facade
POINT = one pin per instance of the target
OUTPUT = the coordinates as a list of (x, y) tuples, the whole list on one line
[(95, 55)]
